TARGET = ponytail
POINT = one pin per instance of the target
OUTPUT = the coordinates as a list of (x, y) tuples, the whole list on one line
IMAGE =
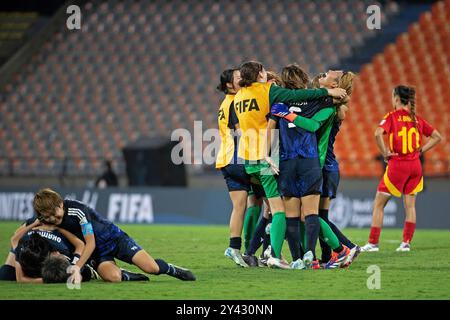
[(407, 96), (412, 103)]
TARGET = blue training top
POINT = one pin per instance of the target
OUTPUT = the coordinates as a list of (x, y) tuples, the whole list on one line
[(298, 142)]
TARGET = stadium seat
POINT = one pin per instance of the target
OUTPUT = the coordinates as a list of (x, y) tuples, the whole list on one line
[(145, 68), (421, 62)]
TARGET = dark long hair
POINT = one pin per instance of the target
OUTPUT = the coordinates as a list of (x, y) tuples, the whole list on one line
[(33, 251), (54, 269), (407, 96), (249, 72), (225, 77)]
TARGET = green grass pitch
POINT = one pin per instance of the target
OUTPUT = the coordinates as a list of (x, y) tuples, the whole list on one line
[(423, 273)]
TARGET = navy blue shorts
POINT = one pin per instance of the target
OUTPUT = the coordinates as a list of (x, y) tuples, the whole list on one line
[(330, 184), (300, 177), (236, 178), (123, 248)]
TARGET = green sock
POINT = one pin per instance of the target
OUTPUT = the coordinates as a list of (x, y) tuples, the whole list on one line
[(303, 234), (278, 232), (250, 221), (328, 235)]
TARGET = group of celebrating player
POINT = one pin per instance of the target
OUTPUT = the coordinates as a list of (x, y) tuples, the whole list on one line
[(277, 138)]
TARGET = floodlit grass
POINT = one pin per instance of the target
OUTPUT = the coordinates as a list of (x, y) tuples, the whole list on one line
[(423, 273)]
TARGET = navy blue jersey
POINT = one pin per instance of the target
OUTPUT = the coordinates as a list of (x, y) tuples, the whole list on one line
[(77, 215), (56, 240), (297, 142), (331, 164), (308, 109)]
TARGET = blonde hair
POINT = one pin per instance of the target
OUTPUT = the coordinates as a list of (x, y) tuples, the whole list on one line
[(315, 82), (346, 82), (294, 77), (275, 77), (46, 200)]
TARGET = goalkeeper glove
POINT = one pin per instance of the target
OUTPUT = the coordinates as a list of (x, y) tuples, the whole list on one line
[(281, 110)]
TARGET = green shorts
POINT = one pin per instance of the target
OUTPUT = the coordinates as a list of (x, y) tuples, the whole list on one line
[(265, 175)]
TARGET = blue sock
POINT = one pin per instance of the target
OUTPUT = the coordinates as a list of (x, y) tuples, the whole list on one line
[(236, 243), (256, 242), (164, 267), (325, 248), (293, 236), (266, 240), (312, 226)]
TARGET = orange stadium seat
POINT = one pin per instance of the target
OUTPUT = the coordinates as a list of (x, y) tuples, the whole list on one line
[(147, 67), (425, 64)]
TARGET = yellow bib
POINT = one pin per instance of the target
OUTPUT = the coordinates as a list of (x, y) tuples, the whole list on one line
[(226, 151), (252, 106)]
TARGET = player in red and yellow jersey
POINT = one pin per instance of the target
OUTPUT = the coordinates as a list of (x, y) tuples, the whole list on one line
[(403, 174)]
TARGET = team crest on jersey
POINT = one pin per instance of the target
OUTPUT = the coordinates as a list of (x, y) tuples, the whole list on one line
[(295, 109)]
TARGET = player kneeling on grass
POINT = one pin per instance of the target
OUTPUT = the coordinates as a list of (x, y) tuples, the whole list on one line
[(104, 240), (404, 171)]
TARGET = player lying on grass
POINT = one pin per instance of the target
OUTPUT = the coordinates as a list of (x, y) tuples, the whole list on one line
[(252, 104), (104, 241), (300, 179), (403, 174), (33, 243)]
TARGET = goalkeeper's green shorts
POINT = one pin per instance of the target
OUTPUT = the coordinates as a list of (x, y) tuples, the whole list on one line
[(264, 174)]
